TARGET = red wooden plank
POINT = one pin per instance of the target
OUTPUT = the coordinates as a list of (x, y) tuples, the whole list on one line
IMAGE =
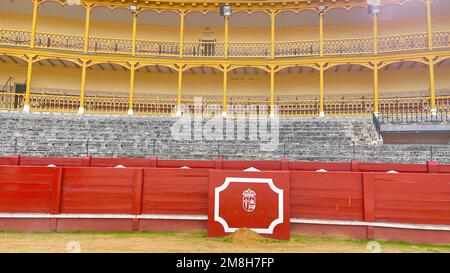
[(45, 161), (269, 165), (175, 191), (385, 167), (56, 192), (327, 195), (314, 166), (208, 164), (127, 162), (412, 198), (98, 190)]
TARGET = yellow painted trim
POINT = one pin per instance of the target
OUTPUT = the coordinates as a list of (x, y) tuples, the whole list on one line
[(272, 33), (182, 15), (133, 39), (321, 33), (375, 87), (226, 36), (29, 78), (83, 83), (87, 25), (180, 83), (375, 34), (321, 87), (225, 86), (34, 22), (272, 89), (430, 33), (432, 84), (132, 72)]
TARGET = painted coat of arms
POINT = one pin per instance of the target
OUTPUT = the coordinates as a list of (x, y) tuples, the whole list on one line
[(249, 200)]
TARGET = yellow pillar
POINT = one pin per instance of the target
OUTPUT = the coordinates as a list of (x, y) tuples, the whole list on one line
[(225, 86), (182, 15), (272, 91), (132, 72), (432, 87), (87, 27), (83, 86), (34, 23), (375, 88), (226, 37), (272, 33), (375, 33), (321, 89), (321, 33), (28, 87), (180, 82), (430, 33), (133, 39)]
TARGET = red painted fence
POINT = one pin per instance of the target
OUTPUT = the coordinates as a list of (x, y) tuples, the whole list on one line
[(357, 193)]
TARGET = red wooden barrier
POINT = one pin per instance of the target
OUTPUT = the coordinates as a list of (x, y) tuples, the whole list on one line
[(175, 191), (327, 195), (99, 190)]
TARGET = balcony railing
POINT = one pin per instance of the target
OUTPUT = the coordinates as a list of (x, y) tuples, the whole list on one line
[(213, 106), (415, 41), (297, 48), (59, 41), (355, 46)]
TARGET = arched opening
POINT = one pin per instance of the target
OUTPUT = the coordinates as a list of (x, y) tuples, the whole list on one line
[(348, 31), (158, 34), (107, 88), (297, 34), (404, 87), (204, 34), (13, 76), (348, 89), (249, 34), (440, 23), (297, 91), (16, 22), (402, 27), (55, 86), (111, 30), (441, 72), (60, 26), (249, 87)]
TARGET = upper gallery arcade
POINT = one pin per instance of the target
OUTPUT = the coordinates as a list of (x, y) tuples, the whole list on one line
[(307, 57)]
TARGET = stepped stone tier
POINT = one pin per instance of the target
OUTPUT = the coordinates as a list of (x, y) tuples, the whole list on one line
[(300, 139)]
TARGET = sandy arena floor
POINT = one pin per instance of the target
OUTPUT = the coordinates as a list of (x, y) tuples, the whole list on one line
[(192, 242)]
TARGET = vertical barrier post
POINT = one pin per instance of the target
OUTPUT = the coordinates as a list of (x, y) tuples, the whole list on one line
[(432, 166), (355, 165), (55, 202), (369, 202), (219, 163), (138, 191)]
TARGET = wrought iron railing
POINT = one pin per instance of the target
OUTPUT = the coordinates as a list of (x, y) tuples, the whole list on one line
[(393, 43), (59, 41)]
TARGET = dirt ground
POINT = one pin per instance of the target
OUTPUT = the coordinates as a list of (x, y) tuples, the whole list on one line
[(193, 242)]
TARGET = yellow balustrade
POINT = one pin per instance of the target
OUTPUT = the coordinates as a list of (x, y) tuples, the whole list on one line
[(203, 49), (15, 37), (58, 41), (155, 106), (248, 107), (11, 101), (441, 39), (404, 105), (106, 105), (298, 107), (443, 104), (203, 106), (249, 49), (110, 45), (297, 48), (348, 107), (348, 46), (412, 41), (54, 103), (393, 43), (157, 48)]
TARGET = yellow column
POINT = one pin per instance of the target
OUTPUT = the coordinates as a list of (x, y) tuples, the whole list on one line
[(321, 33), (180, 82), (26, 107), (375, 33), (133, 39), (132, 72), (87, 27), (272, 91), (432, 87), (375, 88), (226, 37), (83, 86), (430, 33), (272, 33), (321, 95), (225, 86), (34, 23), (182, 15)]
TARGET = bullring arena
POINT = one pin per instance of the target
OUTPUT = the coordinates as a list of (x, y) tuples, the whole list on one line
[(225, 126)]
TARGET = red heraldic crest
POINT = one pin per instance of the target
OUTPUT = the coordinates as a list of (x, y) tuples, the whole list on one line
[(255, 200)]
